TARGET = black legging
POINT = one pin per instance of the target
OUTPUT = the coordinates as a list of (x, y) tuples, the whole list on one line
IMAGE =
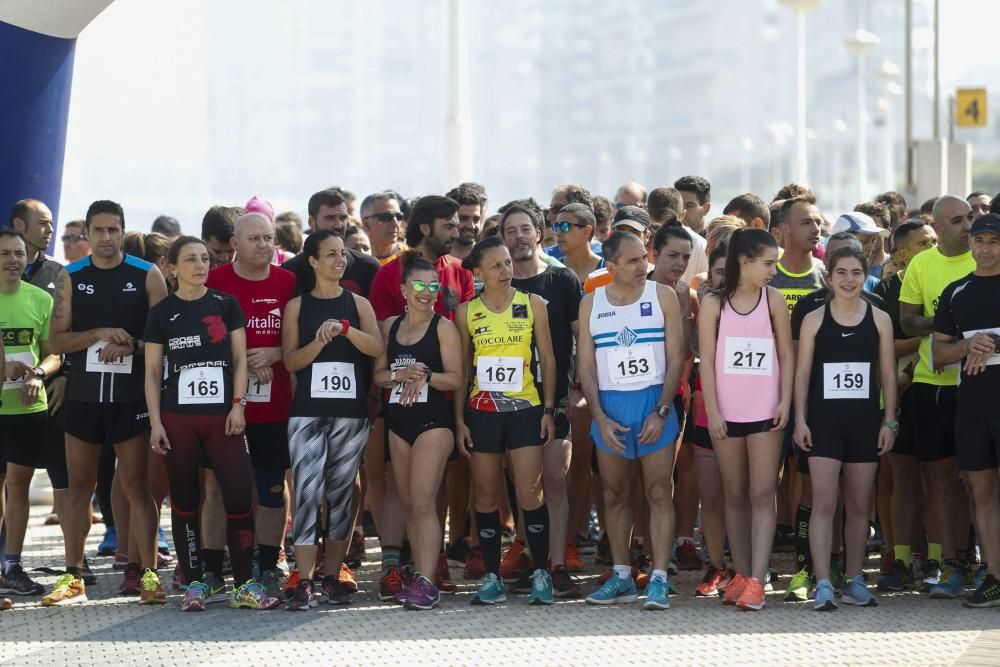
[(188, 435)]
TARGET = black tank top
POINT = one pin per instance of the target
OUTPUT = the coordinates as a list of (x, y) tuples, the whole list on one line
[(336, 383), (844, 385), (426, 351), (107, 298)]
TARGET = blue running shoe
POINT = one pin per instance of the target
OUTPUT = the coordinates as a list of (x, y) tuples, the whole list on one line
[(161, 542), (951, 584), (857, 594), (541, 588), (491, 590), (824, 596), (657, 592), (109, 544), (614, 591)]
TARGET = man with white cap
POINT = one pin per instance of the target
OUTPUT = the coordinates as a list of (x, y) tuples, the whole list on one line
[(870, 234)]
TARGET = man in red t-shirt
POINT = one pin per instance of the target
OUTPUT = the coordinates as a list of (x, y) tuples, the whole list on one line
[(431, 231), (262, 291)]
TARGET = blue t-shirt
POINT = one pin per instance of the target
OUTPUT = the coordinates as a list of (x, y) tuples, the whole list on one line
[(554, 251)]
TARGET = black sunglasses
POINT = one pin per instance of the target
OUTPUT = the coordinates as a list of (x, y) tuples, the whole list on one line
[(73, 238), (386, 217)]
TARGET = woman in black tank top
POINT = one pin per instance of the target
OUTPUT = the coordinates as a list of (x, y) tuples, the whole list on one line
[(845, 355), (419, 370)]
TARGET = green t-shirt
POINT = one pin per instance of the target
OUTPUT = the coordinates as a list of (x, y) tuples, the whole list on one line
[(24, 321), (925, 278)]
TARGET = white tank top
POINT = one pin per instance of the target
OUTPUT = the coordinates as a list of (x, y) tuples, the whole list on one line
[(629, 341)]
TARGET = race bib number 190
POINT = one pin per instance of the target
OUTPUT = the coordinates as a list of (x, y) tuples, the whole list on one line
[(749, 356), (333, 379)]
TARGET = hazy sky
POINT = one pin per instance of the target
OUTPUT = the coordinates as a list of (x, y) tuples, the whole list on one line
[(139, 95)]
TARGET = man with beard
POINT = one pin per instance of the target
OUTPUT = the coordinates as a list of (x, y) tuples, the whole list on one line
[(471, 209)]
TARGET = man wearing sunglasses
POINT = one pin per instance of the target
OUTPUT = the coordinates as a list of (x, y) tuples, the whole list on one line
[(75, 243), (382, 217)]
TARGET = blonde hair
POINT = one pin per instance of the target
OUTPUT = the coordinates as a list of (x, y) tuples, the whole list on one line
[(720, 229)]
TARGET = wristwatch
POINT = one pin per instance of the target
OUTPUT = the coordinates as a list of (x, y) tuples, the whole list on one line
[(891, 425), (239, 400), (39, 372), (549, 411), (664, 410)]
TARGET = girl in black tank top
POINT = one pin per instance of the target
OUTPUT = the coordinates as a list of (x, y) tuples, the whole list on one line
[(845, 354), (418, 378)]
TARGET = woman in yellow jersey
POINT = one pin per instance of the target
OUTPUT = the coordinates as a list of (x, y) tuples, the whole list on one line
[(504, 413)]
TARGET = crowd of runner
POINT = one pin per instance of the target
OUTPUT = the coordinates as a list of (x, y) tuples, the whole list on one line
[(623, 378)]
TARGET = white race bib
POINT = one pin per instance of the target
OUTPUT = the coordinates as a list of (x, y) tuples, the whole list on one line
[(257, 392), (995, 357), (201, 385), (333, 379), (749, 356), (26, 358), (95, 365), (846, 380), (396, 393), (628, 365), (503, 374)]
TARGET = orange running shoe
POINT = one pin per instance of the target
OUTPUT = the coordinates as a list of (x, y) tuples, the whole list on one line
[(475, 569), (390, 585), (346, 579), (515, 563), (573, 561), (752, 598), (291, 583), (734, 589), (442, 578)]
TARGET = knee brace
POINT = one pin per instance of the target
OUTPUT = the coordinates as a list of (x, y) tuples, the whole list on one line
[(270, 488)]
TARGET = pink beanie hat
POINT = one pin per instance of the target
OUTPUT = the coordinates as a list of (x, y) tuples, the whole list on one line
[(258, 204)]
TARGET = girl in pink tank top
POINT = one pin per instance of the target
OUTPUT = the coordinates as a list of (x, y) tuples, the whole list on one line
[(747, 365)]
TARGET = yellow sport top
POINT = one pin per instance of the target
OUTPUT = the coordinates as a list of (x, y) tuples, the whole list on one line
[(502, 356)]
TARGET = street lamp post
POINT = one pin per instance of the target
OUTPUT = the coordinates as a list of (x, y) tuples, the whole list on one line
[(861, 43), (801, 7), (888, 72)]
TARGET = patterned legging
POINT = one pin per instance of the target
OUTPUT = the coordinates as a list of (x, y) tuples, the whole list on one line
[(326, 453)]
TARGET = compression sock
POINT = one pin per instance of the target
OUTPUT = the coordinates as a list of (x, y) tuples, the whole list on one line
[(934, 551), (803, 557), (213, 560), (536, 529), (902, 552), (267, 557), (390, 557), (488, 524)]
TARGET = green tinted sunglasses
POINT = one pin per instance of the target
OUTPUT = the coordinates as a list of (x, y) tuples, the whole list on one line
[(419, 286)]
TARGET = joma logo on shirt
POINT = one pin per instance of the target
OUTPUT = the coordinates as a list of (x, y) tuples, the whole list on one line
[(609, 313)]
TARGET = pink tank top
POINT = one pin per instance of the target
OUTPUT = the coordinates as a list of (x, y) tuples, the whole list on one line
[(747, 377)]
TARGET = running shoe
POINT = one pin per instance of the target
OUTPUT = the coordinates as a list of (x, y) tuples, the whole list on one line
[(179, 581), (712, 582), (68, 590), (282, 564), (614, 591), (252, 595), (798, 587), (752, 597), (514, 563), (951, 585), (572, 559), (132, 580), (585, 545), (291, 583), (541, 588), (931, 574), (458, 552), (390, 584), (355, 552), (346, 579), (981, 575), (152, 591), (303, 599), (121, 561), (194, 597), (163, 561), (857, 594), (87, 574), (825, 600), (837, 574), (161, 542), (272, 584), (563, 585), (657, 594), (886, 561), (735, 589), (899, 578), (334, 592), (522, 586), (687, 557), (442, 578), (475, 568), (17, 582), (490, 591), (109, 544), (603, 555), (422, 594), (216, 588), (987, 595)]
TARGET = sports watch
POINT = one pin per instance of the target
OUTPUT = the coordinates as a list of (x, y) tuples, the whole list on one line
[(664, 410)]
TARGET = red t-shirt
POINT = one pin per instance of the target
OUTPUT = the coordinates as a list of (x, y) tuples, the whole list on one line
[(456, 287), (263, 303)]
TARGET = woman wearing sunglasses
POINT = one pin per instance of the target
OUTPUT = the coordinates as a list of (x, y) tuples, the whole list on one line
[(504, 414), (420, 368)]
